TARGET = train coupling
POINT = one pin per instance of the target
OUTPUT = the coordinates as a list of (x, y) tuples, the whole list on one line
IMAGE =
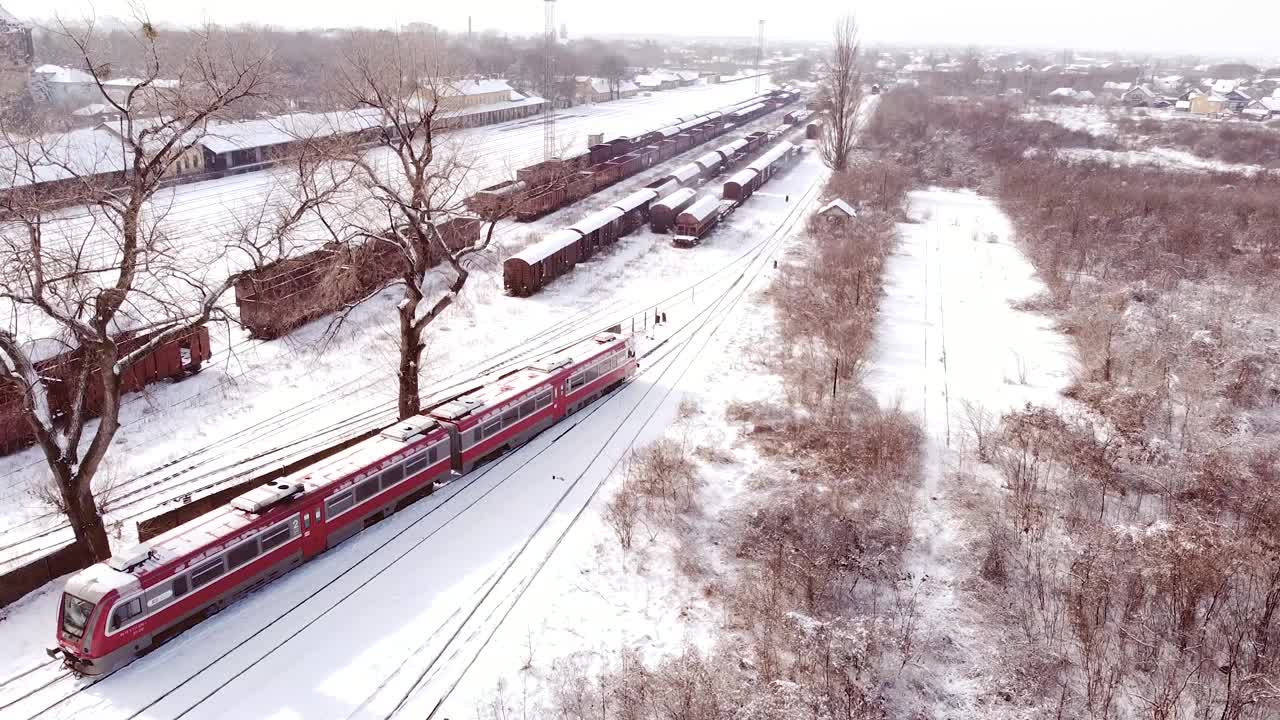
[(55, 652)]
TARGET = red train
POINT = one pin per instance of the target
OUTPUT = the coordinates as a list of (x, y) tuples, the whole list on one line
[(114, 611), (175, 359)]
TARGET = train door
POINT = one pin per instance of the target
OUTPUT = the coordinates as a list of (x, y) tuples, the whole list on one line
[(314, 537)]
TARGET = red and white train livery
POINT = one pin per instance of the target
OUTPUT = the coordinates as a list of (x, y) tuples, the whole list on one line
[(114, 611)]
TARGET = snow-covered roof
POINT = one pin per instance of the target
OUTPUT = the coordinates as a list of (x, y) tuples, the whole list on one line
[(1182, 104), (838, 206), (627, 86), (129, 82), (64, 75), (1122, 86), (93, 109), (477, 87), (1085, 95), (1271, 103), (83, 152), (1063, 92), (1224, 86), (226, 137)]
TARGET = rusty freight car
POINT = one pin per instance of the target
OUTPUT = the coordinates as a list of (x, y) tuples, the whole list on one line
[(175, 358)]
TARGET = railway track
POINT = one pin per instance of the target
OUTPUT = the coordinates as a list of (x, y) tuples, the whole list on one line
[(472, 623), (136, 496)]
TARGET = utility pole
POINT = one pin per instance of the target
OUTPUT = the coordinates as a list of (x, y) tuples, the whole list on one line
[(759, 53), (548, 80)]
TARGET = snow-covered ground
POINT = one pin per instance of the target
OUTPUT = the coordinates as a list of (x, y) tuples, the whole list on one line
[(419, 607), (215, 427), (1096, 121), (950, 333), (1165, 158)]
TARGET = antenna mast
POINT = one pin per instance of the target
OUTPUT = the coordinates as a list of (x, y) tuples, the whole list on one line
[(548, 81), (759, 54)]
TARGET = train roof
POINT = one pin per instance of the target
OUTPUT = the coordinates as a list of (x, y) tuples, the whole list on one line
[(742, 177), (494, 395), (663, 188), (678, 198), (771, 155), (732, 147), (705, 207), (596, 220), (686, 173), (545, 248), (710, 159), (636, 199)]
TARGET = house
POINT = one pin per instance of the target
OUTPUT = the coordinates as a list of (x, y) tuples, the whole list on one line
[(1168, 83), (1085, 96), (1211, 104), (189, 162), (118, 89), (628, 89), (686, 78), (591, 90), (837, 211), (65, 87), (1139, 96), (1063, 92), (1237, 100), (1116, 88), (1262, 108)]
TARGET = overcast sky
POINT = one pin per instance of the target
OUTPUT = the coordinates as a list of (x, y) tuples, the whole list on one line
[(1245, 28)]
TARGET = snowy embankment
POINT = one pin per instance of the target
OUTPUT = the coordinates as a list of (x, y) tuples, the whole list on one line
[(185, 437), (418, 610), (951, 339)]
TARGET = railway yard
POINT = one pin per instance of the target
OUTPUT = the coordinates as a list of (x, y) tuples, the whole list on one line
[(406, 613)]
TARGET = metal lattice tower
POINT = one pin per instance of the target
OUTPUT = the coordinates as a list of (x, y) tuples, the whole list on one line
[(759, 54), (548, 81)]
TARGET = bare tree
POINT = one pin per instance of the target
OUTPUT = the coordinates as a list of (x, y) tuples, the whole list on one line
[(123, 276), (841, 83), (406, 78)]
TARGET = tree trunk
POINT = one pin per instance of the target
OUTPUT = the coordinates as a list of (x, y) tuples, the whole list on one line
[(410, 402), (82, 512)]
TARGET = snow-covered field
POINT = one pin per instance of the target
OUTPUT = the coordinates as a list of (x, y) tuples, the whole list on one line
[(1165, 158), (949, 334), (419, 609), (250, 399)]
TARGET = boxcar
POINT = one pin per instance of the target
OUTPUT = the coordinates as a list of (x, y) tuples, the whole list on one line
[(662, 215), (696, 221), (813, 131), (526, 272), (176, 358), (635, 209), (741, 184), (497, 201), (601, 153), (686, 174), (710, 163), (535, 206), (663, 187), (599, 229)]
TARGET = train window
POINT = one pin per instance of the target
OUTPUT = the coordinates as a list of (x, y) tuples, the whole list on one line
[(392, 475), (206, 573), (366, 490), (276, 536), (510, 416), (526, 408), (126, 612), (492, 428), (339, 504), (475, 435), (419, 461), (180, 586), (544, 398), (242, 553), (577, 381)]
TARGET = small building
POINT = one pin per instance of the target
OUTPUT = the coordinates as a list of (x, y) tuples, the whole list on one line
[(837, 211), (1237, 100), (1262, 108), (1212, 104), (65, 87), (1139, 96), (591, 90)]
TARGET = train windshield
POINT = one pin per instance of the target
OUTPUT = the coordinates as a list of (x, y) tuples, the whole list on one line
[(75, 615)]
